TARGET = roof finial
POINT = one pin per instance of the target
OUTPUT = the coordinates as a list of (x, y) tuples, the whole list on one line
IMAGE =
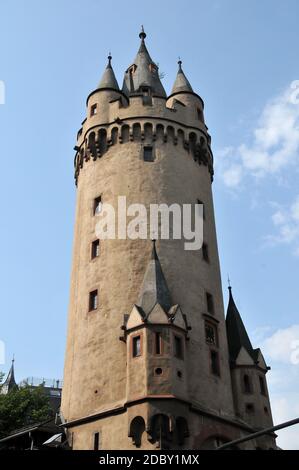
[(229, 284), (180, 64), (109, 59), (13, 358), (142, 35)]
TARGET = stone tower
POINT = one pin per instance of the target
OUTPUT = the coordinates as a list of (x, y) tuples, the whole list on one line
[(147, 359)]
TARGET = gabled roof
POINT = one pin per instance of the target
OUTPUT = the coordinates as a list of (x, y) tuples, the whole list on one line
[(181, 82), (236, 332), (108, 79), (143, 73)]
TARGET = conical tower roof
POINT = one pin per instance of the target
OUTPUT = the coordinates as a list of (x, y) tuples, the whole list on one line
[(236, 332), (143, 73), (154, 289), (181, 82), (9, 382), (108, 79)]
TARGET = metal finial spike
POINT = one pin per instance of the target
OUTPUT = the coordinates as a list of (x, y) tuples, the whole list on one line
[(13, 358), (228, 281), (142, 35), (180, 63)]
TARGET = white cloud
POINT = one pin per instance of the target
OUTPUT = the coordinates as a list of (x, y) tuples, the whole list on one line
[(286, 221), (274, 143), (280, 346), (283, 381)]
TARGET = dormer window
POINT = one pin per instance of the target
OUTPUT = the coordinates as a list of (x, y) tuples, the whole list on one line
[(152, 68), (132, 69), (145, 90)]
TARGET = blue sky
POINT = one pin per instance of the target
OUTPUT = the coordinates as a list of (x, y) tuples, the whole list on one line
[(241, 57)]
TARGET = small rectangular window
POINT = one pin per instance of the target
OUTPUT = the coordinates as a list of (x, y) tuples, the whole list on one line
[(200, 114), (247, 384), (96, 441), (136, 346), (215, 368), (97, 205), (158, 343), (205, 252), (262, 385), (148, 154), (211, 333), (95, 249), (210, 303), (93, 300), (93, 110), (249, 408), (178, 347)]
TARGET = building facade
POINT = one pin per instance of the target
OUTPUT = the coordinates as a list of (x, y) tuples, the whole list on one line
[(150, 360)]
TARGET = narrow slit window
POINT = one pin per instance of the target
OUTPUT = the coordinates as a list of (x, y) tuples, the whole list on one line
[(205, 252), (215, 363), (158, 343), (250, 408), (148, 154), (95, 249), (247, 384), (210, 303), (93, 110), (97, 205), (178, 347), (93, 300), (136, 346), (96, 441), (262, 385)]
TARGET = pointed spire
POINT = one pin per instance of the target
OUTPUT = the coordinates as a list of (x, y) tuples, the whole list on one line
[(9, 382), (154, 289), (108, 79), (143, 73), (181, 82), (236, 332)]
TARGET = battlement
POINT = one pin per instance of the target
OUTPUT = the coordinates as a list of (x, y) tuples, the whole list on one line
[(99, 139)]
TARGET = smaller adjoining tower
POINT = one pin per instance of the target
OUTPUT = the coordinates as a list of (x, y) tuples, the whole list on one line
[(9, 384), (248, 371)]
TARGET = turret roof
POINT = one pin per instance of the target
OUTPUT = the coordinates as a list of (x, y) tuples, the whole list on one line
[(181, 82), (108, 79), (143, 73)]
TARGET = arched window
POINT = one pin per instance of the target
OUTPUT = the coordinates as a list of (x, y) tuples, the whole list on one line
[(125, 133), (148, 132), (102, 141), (114, 135), (170, 134), (192, 143), (137, 132), (160, 132), (137, 428)]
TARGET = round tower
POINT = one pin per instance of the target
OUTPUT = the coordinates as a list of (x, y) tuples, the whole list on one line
[(147, 361)]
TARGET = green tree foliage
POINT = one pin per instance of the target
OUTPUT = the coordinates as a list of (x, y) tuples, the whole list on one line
[(22, 407)]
